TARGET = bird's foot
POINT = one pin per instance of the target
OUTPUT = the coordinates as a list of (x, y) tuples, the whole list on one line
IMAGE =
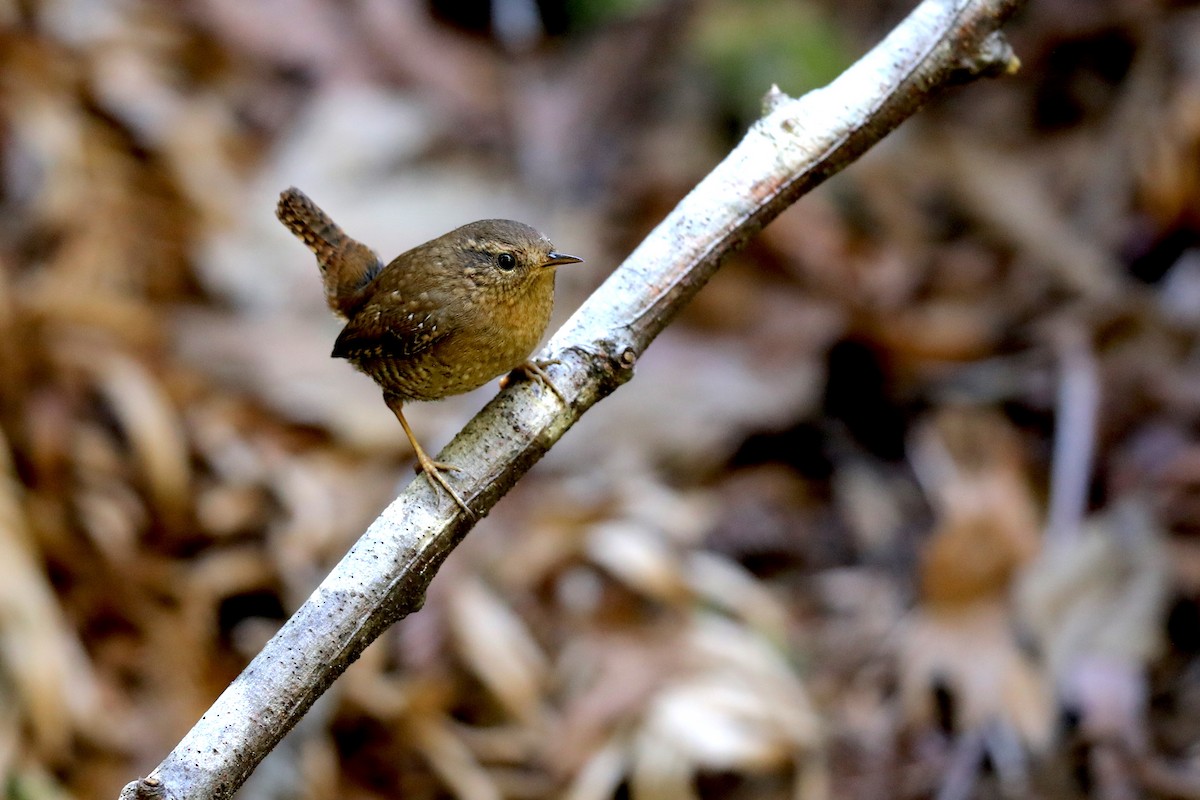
[(535, 370), (433, 471), (440, 466)]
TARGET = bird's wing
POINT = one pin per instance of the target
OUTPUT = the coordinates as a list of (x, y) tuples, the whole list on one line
[(388, 333)]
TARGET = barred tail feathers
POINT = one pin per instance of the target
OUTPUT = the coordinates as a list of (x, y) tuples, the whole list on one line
[(346, 264)]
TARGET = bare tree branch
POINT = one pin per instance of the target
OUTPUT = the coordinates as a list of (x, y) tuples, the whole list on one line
[(795, 146)]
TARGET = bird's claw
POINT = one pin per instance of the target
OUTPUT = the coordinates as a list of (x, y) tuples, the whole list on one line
[(433, 471), (535, 370)]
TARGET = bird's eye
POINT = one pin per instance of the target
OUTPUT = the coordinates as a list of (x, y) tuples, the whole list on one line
[(506, 261)]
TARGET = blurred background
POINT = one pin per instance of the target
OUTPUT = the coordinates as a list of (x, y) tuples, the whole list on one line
[(905, 505)]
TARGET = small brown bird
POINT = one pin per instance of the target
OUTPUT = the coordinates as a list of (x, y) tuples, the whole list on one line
[(442, 318)]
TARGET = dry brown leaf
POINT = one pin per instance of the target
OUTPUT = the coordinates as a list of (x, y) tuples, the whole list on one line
[(153, 429), (499, 648), (972, 652), (639, 557), (731, 588), (43, 663), (1097, 608), (735, 705), (602, 775), (436, 740), (607, 679), (987, 529), (659, 771), (961, 636)]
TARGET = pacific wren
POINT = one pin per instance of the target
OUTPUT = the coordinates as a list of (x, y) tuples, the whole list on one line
[(442, 318)]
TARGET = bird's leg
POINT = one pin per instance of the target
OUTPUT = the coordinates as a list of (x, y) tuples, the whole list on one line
[(432, 469), (535, 370)]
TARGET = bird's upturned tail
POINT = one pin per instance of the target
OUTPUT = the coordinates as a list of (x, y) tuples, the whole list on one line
[(347, 265)]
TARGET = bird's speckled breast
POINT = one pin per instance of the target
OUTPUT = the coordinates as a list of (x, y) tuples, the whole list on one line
[(488, 343)]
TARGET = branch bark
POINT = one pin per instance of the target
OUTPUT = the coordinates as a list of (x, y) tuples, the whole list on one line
[(796, 145)]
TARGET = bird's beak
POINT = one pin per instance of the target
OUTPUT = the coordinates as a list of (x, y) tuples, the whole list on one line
[(554, 259)]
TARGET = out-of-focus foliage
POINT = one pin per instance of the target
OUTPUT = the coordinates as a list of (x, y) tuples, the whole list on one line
[(905, 505), (748, 45)]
